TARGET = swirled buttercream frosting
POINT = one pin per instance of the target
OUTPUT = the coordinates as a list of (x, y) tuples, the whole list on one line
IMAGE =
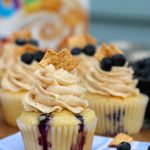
[(118, 82), (19, 76), (54, 90)]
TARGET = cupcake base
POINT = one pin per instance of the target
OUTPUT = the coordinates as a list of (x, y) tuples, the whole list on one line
[(58, 131), (12, 106), (117, 115)]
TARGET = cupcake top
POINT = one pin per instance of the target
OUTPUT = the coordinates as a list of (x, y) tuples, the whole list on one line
[(20, 73), (56, 86), (111, 76), (84, 48), (14, 46), (82, 45)]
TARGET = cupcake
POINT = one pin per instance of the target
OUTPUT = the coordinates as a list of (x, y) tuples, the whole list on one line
[(17, 80), (13, 46), (84, 48), (56, 115), (113, 95)]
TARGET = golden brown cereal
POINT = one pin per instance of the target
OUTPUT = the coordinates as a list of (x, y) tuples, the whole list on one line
[(107, 51), (63, 59), (121, 137)]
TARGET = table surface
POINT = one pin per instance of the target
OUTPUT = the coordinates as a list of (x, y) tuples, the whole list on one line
[(6, 130)]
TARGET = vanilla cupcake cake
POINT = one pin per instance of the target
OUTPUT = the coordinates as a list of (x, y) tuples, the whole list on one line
[(113, 95), (56, 115), (17, 80), (84, 48)]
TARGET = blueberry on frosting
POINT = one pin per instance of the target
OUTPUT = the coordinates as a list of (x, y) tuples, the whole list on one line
[(38, 56), (106, 64), (124, 146), (76, 51), (118, 60), (89, 50), (148, 148), (20, 42), (27, 58)]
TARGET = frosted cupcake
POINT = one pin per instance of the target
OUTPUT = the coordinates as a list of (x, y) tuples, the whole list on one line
[(84, 48), (13, 46), (112, 93), (17, 80), (56, 115)]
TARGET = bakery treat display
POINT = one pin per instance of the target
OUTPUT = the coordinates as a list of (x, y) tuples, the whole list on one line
[(56, 114), (84, 48), (113, 95), (142, 72), (13, 47), (17, 80)]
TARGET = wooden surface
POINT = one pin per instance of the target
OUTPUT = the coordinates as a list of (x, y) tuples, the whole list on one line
[(6, 130)]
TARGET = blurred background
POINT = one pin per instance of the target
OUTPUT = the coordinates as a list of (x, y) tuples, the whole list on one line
[(121, 21), (126, 23)]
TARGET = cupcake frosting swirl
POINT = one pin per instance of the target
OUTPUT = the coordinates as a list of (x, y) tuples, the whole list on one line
[(86, 63), (118, 82), (55, 90), (19, 76)]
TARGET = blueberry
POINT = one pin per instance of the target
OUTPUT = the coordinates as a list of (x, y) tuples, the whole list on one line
[(33, 42), (118, 60), (124, 146), (27, 58), (38, 56), (89, 50), (141, 64), (144, 72), (75, 51), (147, 61), (148, 148), (106, 64), (20, 42)]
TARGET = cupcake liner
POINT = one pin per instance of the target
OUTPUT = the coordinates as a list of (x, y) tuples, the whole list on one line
[(115, 116), (12, 106), (59, 138)]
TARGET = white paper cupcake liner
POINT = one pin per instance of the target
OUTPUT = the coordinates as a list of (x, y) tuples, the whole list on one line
[(59, 138), (119, 116), (12, 106)]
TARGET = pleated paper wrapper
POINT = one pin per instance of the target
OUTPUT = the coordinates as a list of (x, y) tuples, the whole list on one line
[(60, 138), (11, 105), (118, 116)]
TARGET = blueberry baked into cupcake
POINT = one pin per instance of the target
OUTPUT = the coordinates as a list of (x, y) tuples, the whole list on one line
[(56, 115), (113, 95), (17, 80), (84, 48), (13, 46)]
